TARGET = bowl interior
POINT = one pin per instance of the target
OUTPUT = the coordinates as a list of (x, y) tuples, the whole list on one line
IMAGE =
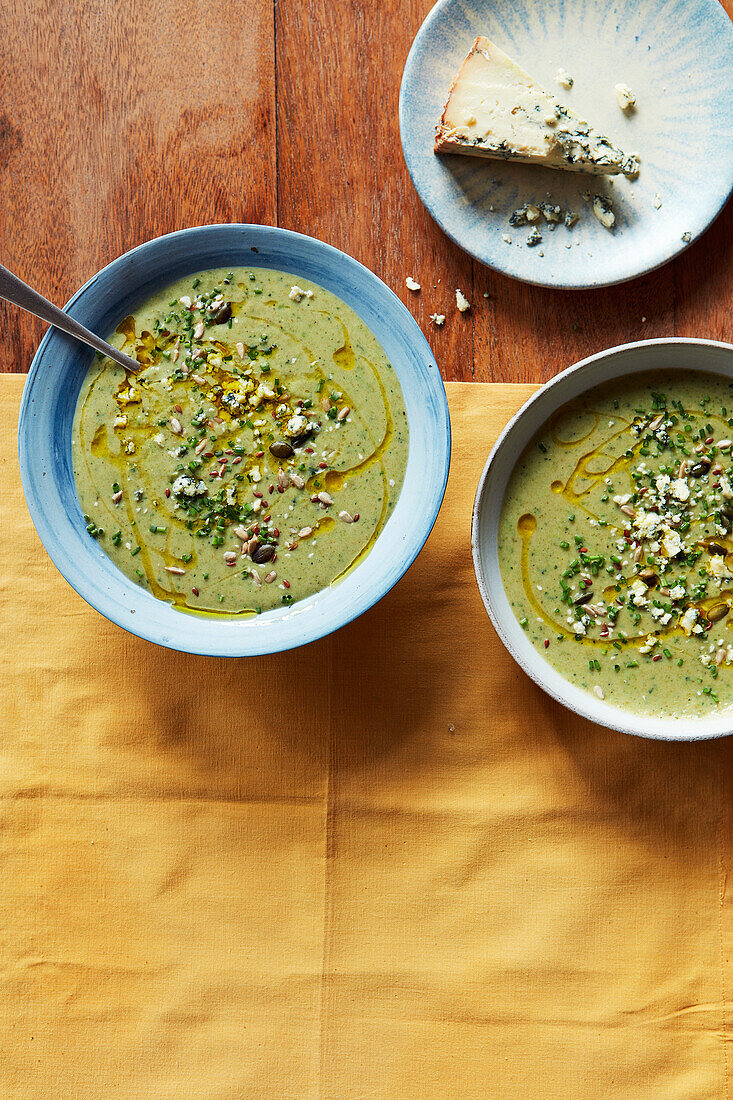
[(49, 402), (668, 355)]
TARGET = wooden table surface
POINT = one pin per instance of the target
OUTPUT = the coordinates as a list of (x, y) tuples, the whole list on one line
[(119, 122)]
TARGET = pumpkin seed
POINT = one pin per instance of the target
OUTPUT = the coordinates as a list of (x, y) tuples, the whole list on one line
[(263, 553), (281, 449)]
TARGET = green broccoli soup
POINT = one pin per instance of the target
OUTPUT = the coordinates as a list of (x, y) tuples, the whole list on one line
[(615, 542), (257, 454)]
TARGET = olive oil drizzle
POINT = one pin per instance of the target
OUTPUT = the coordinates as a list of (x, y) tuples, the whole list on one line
[(344, 356), (335, 481), (100, 446), (527, 526), (147, 349)]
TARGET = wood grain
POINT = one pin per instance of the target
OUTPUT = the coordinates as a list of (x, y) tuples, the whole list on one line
[(342, 176), (114, 130), (281, 111)]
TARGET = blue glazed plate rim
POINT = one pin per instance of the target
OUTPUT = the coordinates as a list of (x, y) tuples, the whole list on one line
[(494, 261), (263, 634)]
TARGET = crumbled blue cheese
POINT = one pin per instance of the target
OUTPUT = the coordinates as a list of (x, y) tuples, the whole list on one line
[(680, 490), (689, 621), (297, 294), (646, 523), (603, 210), (187, 486), (531, 213), (438, 319), (717, 567), (624, 97), (412, 284), (525, 215), (553, 215), (637, 594), (297, 425), (671, 543), (564, 79)]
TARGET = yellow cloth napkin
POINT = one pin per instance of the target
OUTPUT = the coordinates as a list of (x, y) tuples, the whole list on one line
[(384, 866)]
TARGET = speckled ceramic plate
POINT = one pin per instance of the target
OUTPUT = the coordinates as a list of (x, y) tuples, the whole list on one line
[(676, 56)]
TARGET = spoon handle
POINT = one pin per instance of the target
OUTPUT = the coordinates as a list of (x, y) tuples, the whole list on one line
[(20, 294)]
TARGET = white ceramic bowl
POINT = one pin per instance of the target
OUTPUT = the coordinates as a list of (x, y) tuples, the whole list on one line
[(669, 354), (677, 56)]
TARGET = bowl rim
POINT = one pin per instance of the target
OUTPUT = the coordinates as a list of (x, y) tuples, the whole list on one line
[(349, 610), (582, 702)]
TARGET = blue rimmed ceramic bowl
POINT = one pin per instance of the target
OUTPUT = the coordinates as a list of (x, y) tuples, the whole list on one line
[(47, 414)]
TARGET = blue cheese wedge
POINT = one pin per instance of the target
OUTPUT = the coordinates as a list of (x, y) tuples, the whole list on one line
[(495, 109)]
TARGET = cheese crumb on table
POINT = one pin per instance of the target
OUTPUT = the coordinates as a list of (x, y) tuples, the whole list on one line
[(462, 302), (625, 97), (411, 284), (564, 79), (438, 318)]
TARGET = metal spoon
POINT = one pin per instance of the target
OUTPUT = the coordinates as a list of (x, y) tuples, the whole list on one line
[(20, 294)]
